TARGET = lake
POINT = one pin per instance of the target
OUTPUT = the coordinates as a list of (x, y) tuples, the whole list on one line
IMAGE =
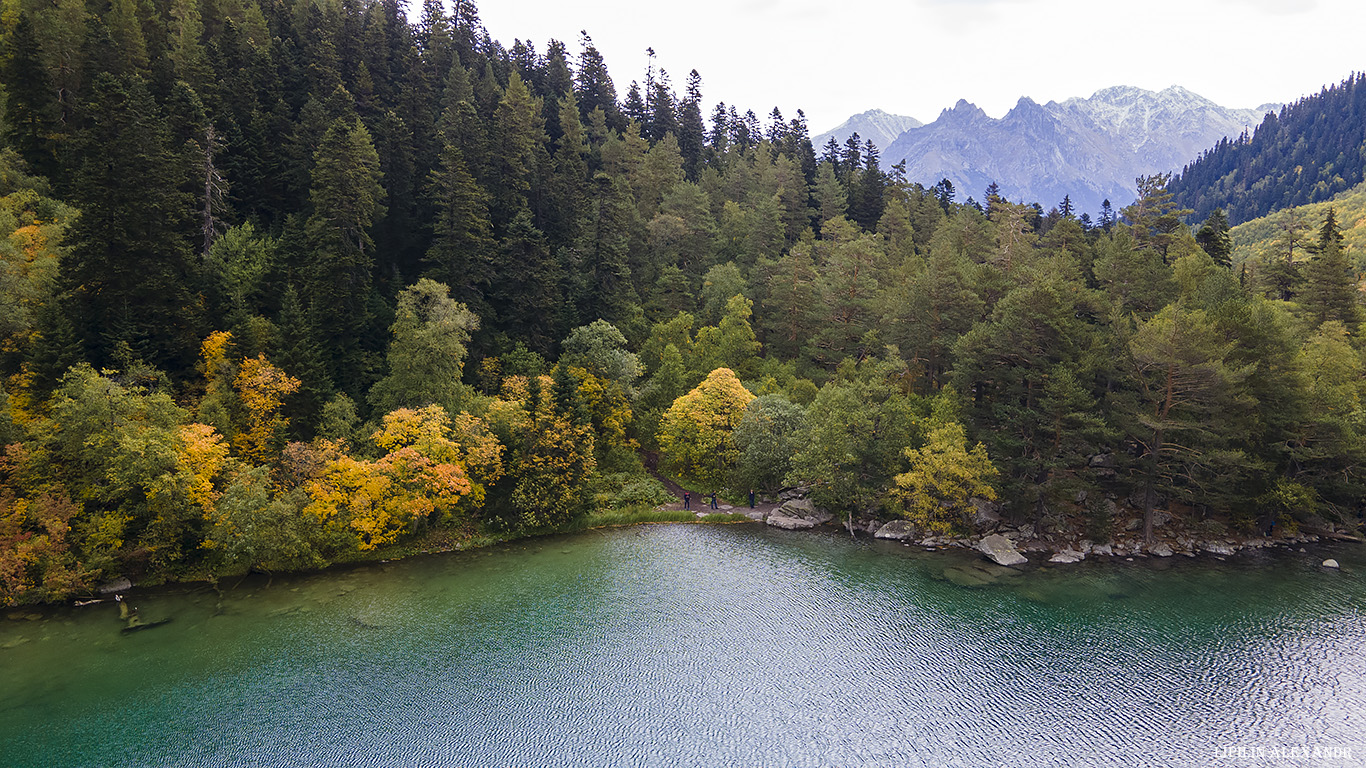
[(701, 645)]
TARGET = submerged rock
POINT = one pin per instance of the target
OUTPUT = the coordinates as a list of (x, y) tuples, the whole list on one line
[(1001, 551)]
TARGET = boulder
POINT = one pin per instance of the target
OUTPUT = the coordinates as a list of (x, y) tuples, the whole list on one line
[(1102, 549), (897, 530), (798, 515), (1161, 550), (804, 508), (791, 523), (1001, 551), (117, 585), (1067, 556), (1217, 548), (1331, 563), (986, 514)]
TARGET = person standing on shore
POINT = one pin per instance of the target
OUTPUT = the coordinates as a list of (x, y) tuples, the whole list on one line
[(687, 501), (751, 498), (713, 500)]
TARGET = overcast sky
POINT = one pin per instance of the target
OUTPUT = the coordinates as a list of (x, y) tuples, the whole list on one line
[(918, 57)]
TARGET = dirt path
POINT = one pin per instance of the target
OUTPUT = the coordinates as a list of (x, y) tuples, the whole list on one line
[(701, 502)]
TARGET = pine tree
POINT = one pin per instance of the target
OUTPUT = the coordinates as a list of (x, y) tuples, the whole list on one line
[(461, 252), (691, 132), (129, 270), (1330, 288), (1214, 238), (347, 199), (30, 107)]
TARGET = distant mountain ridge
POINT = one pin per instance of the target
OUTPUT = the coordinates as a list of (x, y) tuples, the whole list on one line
[(1091, 149), (876, 126)]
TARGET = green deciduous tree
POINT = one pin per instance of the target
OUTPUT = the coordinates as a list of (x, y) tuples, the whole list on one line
[(427, 355)]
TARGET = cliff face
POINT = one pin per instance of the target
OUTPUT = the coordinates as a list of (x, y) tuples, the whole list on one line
[(1091, 149)]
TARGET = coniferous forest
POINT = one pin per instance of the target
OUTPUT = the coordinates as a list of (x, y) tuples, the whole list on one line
[(1309, 152), (284, 282)]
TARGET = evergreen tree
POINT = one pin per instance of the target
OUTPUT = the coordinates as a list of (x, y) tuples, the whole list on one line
[(1330, 287), (30, 107), (1214, 238), (346, 198), (129, 271), (461, 252)]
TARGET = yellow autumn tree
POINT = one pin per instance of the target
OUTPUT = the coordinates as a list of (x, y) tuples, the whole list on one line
[(434, 470), (945, 474), (262, 389), (220, 407), (696, 433), (607, 407), (201, 458), (554, 457)]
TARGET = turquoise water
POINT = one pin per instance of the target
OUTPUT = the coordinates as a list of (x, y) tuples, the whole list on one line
[(688, 645)]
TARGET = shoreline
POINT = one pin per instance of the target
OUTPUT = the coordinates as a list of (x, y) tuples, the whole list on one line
[(1035, 547)]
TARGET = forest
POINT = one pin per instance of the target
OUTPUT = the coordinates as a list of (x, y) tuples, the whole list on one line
[(284, 283), (1307, 153)]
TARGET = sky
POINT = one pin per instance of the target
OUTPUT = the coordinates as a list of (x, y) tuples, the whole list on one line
[(918, 57)]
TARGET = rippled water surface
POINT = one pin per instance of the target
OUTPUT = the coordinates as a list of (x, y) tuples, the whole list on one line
[(689, 645)]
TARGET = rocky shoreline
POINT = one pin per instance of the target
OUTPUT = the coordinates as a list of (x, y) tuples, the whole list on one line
[(1014, 546)]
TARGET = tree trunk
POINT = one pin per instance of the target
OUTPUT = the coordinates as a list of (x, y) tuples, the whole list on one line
[(1149, 493)]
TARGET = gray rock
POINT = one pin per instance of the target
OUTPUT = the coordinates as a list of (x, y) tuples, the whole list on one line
[(804, 508), (1217, 548), (755, 514), (117, 585), (791, 523), (1001, 551), (1162, 550), (1102, 549), (897, 530), (1134, 524), (1103, 460), (1027, 531), (986, 515), (1331, 563), (1067, 556)]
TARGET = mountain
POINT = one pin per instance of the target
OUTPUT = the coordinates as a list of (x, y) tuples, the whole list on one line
[(1308, 152), (1091, 149), (875, 125)]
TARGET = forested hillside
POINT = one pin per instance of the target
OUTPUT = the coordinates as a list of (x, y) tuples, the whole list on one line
[(1311, 151), (287, 282)]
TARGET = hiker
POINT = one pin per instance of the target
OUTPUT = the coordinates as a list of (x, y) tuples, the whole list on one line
[(751, 498), (713, 500), (687, 501)]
